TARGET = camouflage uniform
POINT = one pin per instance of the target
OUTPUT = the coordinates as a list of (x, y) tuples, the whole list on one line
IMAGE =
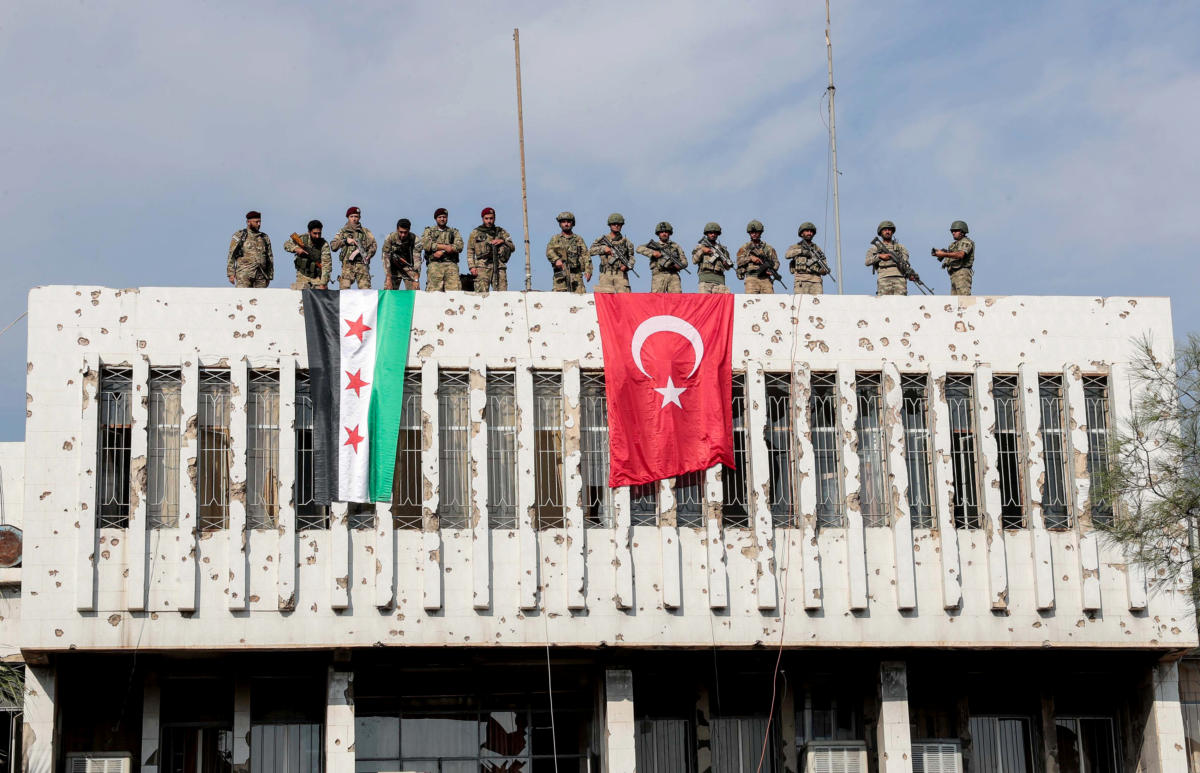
[(889, 280), (612, 280), (572, 250), (663, 279), (442, 273), (757, 280), (395, 254), (712, 266), (961, 270), (303, 281), (490, 262), (250, 259), (807, 263), (356, 269)]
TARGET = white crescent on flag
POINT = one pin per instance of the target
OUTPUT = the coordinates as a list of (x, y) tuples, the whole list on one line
[(666, 323)]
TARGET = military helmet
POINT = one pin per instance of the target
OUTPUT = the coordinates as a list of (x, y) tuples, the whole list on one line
[(616, 218), (711, 227), (565, 216), (959, 225), (884, 224), (754, 226), (806, 226), (664, 226)]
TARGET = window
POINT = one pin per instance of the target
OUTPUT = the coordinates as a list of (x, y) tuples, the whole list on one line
[(737, 744), (286, 718), (917, 444), (212, 468), (1086, 745), (597, 496), (960, 402), (406, 475), (1008, 451), (360, 515), (872, 453), (643, 504), (309, 515), (689, 500), (1055, 508), (1002, 744), (262, 450), (197, 725), (1095, 399), (116, 422), (548, 449), (780, 454), (162, 476), (823, 422), (454, 456), (664, 745), (502, 449), (735, 512)]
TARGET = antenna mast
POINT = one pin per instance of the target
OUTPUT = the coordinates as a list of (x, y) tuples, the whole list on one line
[(521, 136), (837, 215)]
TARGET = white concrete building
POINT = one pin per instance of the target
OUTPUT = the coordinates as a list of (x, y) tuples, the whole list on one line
[(902, 570)]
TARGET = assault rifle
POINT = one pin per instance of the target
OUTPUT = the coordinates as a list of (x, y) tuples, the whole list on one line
[(620, 259), (904, 266), (721, 257), (673, 259), (765, 269), (306, 264), (406, 265)]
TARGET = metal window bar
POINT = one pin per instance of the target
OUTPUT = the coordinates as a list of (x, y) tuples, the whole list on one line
[(960, 402), (780, 450), (1095, 400), (597, 496), (1005, 396), (872, 453), (262, 450), (309, 514), (643, 504), (360, 515), (548, 449), (116, 432), (735, 511), (502, 449), (823, 421), (689, 499), (917, 445), (162, 475), (215, 454), (1055, 503), (406, 475), (454, 455)]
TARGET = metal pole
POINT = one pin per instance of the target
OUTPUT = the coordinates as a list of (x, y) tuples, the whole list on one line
[(521, 136), (837, 215)]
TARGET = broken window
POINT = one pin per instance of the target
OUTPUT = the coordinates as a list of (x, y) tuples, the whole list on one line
[(454, 455), (213, 448), (548, 449), (1095, 399), (689, 500), (917, 444), (262, 450), (960, 403), (597, 496), (823, 422), (1002, 744), (1055, 508), (780, 454), (406, 475), (162, 449), (309, 514), (872, 451), (1005, 396), (116, 422), (735, 512), (643, 504), (502, 449), (1086, 745)]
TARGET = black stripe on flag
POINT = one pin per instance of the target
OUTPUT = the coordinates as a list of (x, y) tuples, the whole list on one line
[(322, 310)]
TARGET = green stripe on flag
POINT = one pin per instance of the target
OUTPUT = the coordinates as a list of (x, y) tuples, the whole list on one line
[(394, 329)]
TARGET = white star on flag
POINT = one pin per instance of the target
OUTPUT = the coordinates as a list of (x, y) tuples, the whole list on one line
[(670, 393)]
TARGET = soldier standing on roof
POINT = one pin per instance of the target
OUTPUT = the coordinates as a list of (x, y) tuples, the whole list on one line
[(958, 259), (807, 262), (488, 250), (442, 246), (401, 258), (313, 259), (890, 280), (616, 257), (568, 255), (713, 259), (250, 262), (356, 246), (667, 259), (757, 262)]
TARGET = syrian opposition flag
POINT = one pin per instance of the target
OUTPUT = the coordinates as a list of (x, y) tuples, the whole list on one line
[(357, 350), (669, 382)]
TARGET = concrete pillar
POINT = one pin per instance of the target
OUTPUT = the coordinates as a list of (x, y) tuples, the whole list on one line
[(1163, 744), (1049, 733), (241, 725), (38, 741), (151, 704), (620, 753), (892, 739), (787, 728), (339, 722)]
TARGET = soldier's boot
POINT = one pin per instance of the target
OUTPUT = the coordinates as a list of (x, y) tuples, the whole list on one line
[(891, 285), (960, 282)]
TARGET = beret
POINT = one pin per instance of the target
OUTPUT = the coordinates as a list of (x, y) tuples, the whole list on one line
[(353, 211), (440, 211), (253, 214), (487, 211)]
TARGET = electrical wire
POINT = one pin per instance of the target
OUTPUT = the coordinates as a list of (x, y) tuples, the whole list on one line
[(15, 321)]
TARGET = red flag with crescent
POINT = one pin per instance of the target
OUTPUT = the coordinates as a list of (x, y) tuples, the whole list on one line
[(669, 381)]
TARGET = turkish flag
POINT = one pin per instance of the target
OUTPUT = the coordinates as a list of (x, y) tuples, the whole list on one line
[(669, 382)]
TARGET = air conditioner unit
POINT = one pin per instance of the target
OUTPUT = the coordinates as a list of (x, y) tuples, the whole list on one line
[(835, 757), (937, 756), (98, 762)]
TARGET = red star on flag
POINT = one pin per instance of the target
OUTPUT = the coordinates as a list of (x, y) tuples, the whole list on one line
[(356, 382), (357, 327), (353, 438)]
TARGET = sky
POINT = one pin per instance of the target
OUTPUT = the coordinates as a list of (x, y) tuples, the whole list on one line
[(137, 134)]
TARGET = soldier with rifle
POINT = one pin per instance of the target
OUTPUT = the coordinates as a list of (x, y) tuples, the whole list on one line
[(488, 250), (401, 258), (356, 246), (616, 257), (442, 245), (568, 255), (667, 259), (758, 263), (713, 260), (313, 259), (250, 262), (958, 259), (807, 262), (889, 260)]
